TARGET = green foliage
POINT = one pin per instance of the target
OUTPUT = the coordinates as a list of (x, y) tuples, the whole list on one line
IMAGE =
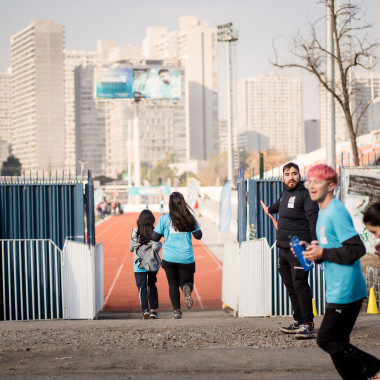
[(11, 167)]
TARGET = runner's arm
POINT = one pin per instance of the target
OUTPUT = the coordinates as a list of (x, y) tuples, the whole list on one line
[(156, 236), (352, 249), (197, 234)]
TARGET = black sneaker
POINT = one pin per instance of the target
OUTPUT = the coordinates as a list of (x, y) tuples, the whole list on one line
[(292, 328), (187, 295), (154, 315), (177, 314), (305, 331), (146, 314)]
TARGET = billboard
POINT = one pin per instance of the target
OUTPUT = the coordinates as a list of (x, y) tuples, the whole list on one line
[(157, 83), (150, 83), (113, 83)]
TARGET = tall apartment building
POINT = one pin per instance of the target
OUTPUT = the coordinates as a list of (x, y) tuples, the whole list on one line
[(162, 123), (89, 123), (37, 62), (362, 89), (194, 44), (271, 105), (84, 119), (5, 107)]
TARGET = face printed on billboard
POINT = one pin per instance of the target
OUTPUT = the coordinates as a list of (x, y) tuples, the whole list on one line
[(113, 83), (157, 83)]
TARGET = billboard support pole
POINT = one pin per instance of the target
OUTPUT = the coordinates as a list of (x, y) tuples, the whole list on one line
[(136, 135)]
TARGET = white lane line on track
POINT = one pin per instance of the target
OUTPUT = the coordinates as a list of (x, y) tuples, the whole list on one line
[(211, 255), (199, 298), (115, 279), (106, 228)]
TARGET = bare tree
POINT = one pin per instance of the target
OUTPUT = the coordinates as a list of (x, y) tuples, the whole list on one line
[(353, 48)]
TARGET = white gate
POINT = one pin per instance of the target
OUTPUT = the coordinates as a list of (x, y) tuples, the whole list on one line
[(82, 278)]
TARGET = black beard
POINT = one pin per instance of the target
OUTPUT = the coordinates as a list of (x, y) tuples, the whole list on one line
[(292, 187)]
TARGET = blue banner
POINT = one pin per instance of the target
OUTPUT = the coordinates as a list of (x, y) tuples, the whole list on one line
[(113, 83), (225, 208), (151, 190)]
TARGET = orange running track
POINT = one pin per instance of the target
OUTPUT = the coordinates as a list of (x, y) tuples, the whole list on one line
[(120, 291)]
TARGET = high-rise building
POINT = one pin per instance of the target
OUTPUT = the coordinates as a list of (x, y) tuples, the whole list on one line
[(162, 123), (37, 62), (312, 135), (5, 107), (162, 126), (82, 91), (271, 105), (363, 89), (194, 44), (89, 123)]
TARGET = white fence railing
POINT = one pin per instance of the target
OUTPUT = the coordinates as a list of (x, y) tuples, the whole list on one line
[(246, 283), (82, 278), (251, 284), (39, 281), (31, 280)]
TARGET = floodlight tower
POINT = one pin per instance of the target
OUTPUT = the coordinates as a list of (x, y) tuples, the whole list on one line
[(228, 34)]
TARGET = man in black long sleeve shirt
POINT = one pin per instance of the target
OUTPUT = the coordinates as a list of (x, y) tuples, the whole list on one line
[(297, 216)]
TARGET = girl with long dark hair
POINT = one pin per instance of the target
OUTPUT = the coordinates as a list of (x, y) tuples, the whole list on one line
[(177, 228), (146, 263)]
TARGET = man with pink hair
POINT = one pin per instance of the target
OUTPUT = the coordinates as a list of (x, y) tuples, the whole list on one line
[(340, 248)]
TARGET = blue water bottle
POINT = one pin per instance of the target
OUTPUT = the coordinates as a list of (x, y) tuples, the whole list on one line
[(298, 249)]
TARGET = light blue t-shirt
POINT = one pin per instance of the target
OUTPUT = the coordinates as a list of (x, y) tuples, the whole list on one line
[(177, 247), (344, 282)]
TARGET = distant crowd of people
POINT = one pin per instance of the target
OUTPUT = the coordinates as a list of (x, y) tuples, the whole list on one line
[(107, 208)]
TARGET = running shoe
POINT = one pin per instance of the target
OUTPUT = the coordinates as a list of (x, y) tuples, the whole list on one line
[(305, 331), (177, 314), (187, 295), (146, 314), (292, 328), (154, 315)]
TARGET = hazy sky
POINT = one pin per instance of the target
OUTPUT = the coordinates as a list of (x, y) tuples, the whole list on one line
[(124, 21)]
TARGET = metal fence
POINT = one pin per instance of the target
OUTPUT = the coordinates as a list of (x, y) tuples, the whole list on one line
[(31, 279), (42, 210), (254, 224)]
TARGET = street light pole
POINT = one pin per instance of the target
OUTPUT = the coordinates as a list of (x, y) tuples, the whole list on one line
[(136, 135), (330, 77), (229, 35)]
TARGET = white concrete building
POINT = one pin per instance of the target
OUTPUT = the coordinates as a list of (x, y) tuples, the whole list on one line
[(37, 62), (271, 105), (194, 44), (5, 108), (363, 90)]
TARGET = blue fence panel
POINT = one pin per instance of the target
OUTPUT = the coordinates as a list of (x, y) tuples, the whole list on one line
[(42, 211), (242, 210), (30, 273), (261, 226)]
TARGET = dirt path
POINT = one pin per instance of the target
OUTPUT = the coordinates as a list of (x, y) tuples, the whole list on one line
[(204, 345)]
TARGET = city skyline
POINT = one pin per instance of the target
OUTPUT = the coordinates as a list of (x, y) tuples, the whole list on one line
[(257, 23)]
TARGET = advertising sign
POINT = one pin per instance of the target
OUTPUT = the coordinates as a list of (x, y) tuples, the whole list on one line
[(113, 83), (157, 83), (360, 188)]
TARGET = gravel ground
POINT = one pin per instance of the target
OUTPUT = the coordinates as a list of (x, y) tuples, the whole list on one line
[(120, 344)]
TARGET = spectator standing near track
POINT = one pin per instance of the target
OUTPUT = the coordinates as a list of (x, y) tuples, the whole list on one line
[(146, 263), (371, 220), (297, 216), (340, 248), (177, 227)]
